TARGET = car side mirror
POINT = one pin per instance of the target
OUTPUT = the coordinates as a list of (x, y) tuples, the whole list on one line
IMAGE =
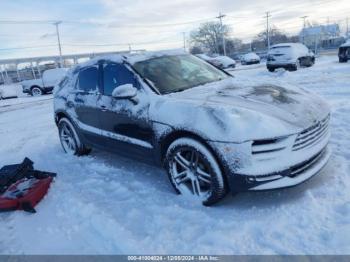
[(126, 91)]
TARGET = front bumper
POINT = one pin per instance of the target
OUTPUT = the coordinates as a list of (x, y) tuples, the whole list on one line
[(287, 178), (285, 65), (48, 89), (251, 62)]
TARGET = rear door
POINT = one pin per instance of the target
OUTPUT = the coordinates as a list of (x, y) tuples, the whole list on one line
[(124, 122), (84, 102)]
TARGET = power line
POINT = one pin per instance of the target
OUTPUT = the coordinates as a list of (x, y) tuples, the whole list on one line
[(119, 44)]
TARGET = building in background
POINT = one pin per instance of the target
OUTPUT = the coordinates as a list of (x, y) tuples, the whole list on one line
[(321, 36)]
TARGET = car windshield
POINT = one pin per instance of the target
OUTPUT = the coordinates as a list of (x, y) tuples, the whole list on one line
[(177, 73)]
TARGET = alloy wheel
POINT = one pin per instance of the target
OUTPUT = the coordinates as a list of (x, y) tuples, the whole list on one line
[(36, 91), (67, 139), (191, 173)]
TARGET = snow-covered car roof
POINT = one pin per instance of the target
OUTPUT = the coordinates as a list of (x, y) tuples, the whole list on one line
[(132, 58), (346, 44), (291, 49), (287, 45), (250, 56), (225, 58)]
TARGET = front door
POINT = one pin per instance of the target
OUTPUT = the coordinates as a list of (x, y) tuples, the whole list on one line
[(124, 122), (84, 100)]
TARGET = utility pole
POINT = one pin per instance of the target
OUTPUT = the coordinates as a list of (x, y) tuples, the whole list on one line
[(304, 26), (184, 39), (220, 17), (347, 27), (59, 41), (130, 49), (268, 29)]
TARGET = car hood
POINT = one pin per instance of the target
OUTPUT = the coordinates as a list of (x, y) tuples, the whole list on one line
[(31, 82), (248, 111)]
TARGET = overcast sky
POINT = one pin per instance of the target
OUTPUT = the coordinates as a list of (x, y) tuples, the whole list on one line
[(156, 24)]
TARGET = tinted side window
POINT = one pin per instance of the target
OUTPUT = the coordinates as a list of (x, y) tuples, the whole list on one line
[(88, 79), (115, 75)]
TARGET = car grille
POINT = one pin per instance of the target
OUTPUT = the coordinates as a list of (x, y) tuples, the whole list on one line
[(292, 172), (268, 149), (312, 135), (303, 167)]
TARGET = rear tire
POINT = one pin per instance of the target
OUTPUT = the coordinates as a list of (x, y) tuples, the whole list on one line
[(70, 140), (36, 91), (271, 69), (194, 171)]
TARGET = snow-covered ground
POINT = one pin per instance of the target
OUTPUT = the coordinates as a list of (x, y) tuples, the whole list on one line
[(106, 204)]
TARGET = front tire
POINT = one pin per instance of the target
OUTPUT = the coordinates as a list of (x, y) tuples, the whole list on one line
[(194, 171), (70, 140)]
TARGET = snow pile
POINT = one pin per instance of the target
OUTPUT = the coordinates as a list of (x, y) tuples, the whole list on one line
[(9, 91)]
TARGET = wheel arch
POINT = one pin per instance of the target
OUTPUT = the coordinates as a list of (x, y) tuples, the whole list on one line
[(61, 114), (36, 86)]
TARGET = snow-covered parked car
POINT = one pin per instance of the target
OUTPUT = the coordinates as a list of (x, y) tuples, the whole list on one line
[(344, 52), (222, 62), (250, 59), (8, 91), (46, 84), (290, 56), (212, 133)]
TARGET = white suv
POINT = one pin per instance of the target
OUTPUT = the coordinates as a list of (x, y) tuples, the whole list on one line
[(290, 56)]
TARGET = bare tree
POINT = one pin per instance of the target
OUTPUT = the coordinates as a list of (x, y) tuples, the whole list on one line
[(276, 36), (209, 36)]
